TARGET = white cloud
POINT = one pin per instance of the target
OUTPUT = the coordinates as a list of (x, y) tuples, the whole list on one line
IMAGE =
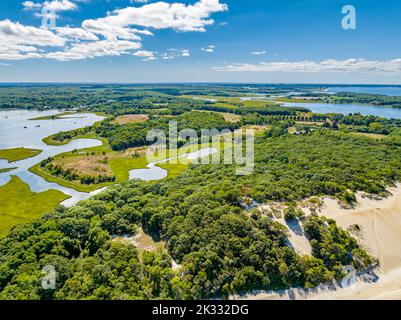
[(330, 66), (55, 5), (146, 55), (79, 51), (76, 33), (120, 32), (161, 15), (30, 5), (258, 53), (209, 49), (59, 5), (16, 33)]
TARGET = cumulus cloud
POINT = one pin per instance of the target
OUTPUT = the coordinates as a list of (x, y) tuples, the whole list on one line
[(185, 53), (146, 55), (16, 33), (120, 32), (55, 5), (29, 5), (161, 15), (258, 53), (209, 49), (330, 66), (79, 51), (76, 33)]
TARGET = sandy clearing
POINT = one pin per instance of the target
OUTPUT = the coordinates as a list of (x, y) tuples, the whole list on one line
[(142, 241), (296, 237), (380, 223)]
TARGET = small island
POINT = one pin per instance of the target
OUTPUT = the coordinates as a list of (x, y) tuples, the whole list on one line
[(6, 170), (17, 154)]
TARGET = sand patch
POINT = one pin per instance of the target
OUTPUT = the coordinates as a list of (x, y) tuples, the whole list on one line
[(380, 226), (142, 241)]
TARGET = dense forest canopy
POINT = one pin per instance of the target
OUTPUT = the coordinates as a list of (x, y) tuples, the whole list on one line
[(211, 245)]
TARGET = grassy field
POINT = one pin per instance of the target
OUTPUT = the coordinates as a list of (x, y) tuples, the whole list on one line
[(17, 154), (6, 170), (173, 169), (18, 204), (65, 115), (104, 148), (119, 163), (229, 117), (50, 142), (375, 136), (57, 116)]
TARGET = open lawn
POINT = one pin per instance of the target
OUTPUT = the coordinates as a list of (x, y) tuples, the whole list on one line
[(18, 204), (6, 170), (17, 154), (64, 115)]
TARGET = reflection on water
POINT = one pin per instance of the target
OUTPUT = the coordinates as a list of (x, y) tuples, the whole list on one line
[(17, 130)]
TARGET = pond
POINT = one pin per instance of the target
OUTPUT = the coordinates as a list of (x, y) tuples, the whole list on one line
[(390, 113), (17, 130), (156, 173)]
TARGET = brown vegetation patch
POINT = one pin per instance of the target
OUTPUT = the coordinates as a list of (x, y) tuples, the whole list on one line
[(230, 117), (131, 118), (88, 165)]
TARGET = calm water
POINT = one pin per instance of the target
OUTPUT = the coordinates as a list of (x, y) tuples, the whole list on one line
[(14, 134), (390, 113), (388, 91), (156, 173)]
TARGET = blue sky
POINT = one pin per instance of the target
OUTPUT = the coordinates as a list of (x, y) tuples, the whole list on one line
[(200, 41)]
